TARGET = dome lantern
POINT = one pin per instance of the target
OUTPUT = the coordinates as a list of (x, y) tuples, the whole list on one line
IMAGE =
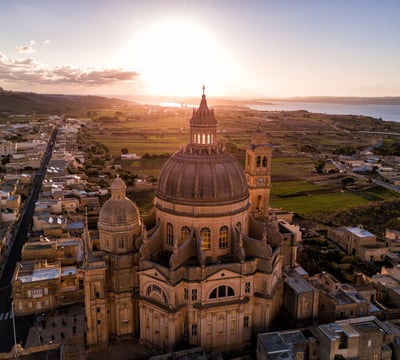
[(118, 188), (203, 126)]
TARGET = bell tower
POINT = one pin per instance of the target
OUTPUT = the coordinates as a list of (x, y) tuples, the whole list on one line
[(258, 173)]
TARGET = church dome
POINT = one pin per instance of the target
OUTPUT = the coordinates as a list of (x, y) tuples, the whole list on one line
[(203, 172), (202, 178), (118, 213)]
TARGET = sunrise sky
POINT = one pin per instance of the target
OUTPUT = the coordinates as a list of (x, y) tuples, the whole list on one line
[(247, 48)]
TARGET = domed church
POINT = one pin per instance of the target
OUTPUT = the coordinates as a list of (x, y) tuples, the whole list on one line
[(205, 268)]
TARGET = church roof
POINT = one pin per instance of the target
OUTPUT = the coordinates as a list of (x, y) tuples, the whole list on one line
[(206, 178)]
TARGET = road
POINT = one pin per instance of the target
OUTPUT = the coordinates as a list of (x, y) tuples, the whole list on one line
[(386, 185), (22, 324)]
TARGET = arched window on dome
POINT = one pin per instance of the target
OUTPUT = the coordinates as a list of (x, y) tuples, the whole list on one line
[(264, 161), (185, 233), (223, 237), (221, 292), (239, 226), (170, 234), (205, 234), (155, 291), (121, 242)]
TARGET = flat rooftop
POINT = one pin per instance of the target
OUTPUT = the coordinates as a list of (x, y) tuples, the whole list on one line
[(299, 284), (39, 275), (359, 232)]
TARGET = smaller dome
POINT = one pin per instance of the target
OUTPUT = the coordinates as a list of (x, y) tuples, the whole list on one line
[(118, 213)]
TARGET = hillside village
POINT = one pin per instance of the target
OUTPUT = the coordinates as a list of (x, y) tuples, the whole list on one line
[(333, 319)]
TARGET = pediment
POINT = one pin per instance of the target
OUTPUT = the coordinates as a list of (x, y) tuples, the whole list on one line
[(222, 274), (155, 274)]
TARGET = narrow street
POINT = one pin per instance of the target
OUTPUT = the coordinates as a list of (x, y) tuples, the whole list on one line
[(22, 324)]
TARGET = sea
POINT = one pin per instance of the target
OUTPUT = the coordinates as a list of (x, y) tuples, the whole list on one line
[(384, 112)]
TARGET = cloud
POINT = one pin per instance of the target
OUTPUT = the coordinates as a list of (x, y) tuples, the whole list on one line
[(46, 42), (25, 49), (30, 71), (32, 42)]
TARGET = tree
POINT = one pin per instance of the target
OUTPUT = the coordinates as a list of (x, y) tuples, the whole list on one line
[(347, 181), (320, 166), (5, 160), (124, 150)]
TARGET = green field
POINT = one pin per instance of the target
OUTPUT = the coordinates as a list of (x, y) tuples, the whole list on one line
[(314, 204)]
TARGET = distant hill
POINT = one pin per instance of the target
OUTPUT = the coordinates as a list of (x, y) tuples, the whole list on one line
[(13, 102)]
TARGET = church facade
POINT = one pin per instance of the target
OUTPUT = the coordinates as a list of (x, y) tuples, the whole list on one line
[(206, 267)]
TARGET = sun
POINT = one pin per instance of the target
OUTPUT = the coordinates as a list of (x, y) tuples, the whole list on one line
[(175, 57)]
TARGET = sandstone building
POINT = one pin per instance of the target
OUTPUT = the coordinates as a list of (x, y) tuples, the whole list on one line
[(206, 268)]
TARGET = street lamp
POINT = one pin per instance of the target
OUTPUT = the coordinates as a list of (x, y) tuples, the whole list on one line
[(15, 336)]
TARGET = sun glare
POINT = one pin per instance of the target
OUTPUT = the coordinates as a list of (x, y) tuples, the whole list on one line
[(175, 56)]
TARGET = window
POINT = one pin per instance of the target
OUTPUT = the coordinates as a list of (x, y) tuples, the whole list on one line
[(157, 289), (258, 161), (205, 234), (264, 162), (121, 243), (170, 234), (36, 293), (194, 329), (239, 226), (247, 287), (223, 237), (185, 330), (185, 294), (222, 292), (246, 322), (194, 294), (185, 233), (107, 242)]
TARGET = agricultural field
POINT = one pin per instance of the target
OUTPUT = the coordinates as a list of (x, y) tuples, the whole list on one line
[(309, 204), (299, 140)]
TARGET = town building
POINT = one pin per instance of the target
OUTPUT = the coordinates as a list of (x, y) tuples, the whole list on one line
[(358, 242), (338, 301), (206, 267), (364, 338), (39, 286), (301, 299)]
